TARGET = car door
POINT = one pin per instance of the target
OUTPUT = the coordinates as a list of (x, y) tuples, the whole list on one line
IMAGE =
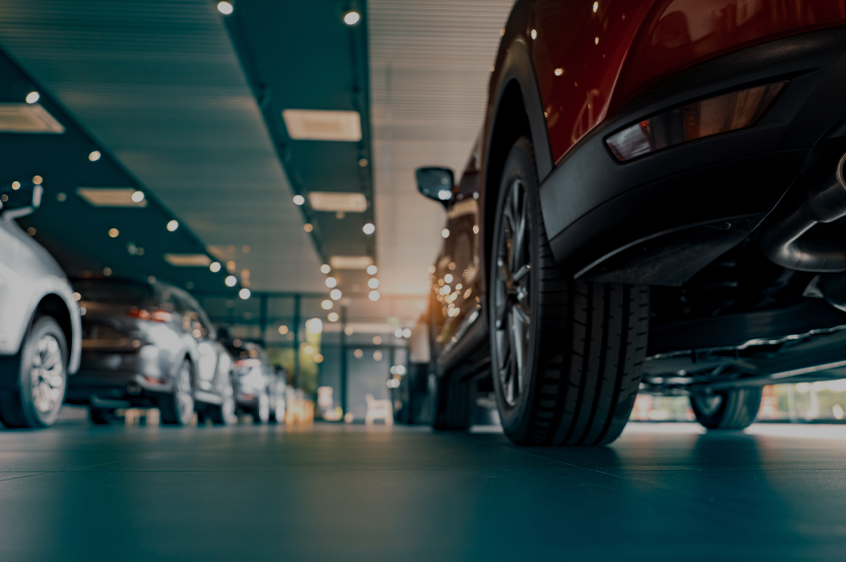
[(456, 279)]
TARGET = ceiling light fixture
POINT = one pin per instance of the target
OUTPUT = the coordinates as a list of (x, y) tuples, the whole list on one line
[(33, 97), (214, 266), (112, 196), (230, 281), (114, 233), (308, 227), (337, 202), (371, 269), (333, 317), (331, 282), (188, 260), (94, 156), (27, 118), (172, 225), (225, 8), (37, 180), (369, 228), (298, 199), (350, 262), (244, 293), (325, 268), (326, 305), (374, 295), (335, 295), (323, 125), (373, 283), (352, 17)]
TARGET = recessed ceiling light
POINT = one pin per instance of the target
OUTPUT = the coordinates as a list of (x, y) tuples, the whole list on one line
[(352, 17), (230, 281), (350, 262), (299, 199), (372, 282), (369, 228), (326, 304), (37, 180), (111, 196), (188, 260), (335, 294), (94, 156), (27, 118), (172, 225), (332, 317), (114, 233), (32, 97), (325, 268), (138, 196), (334, 202), (225, 8), (310, 124), (214, 266), (244, 293), (374, 295), (331, 282), (371, 269), (308, 227)]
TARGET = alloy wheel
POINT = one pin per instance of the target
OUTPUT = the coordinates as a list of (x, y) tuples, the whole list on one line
[(184, 398), (708, 405), (47, 374), (512, 295)]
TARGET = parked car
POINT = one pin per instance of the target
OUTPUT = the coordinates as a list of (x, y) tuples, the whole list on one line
[(654, 203), (149, 345), (39, 319), (259, 391)]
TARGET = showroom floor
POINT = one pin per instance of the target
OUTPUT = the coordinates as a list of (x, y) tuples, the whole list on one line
[(663, 491)]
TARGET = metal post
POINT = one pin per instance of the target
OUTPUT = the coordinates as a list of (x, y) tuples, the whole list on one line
[(296, 328), (343, 359), (263, 319)]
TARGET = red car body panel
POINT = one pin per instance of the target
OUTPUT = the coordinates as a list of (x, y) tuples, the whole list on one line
[(589, 63)]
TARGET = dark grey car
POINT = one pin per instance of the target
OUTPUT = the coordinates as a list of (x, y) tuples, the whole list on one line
[(149, 345)]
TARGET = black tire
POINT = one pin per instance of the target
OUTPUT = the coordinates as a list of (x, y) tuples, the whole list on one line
[(177, 408), (101, 416), (31, 396), (224, 414), (261, 412), (455, 404), (581, 344), (730, 409)]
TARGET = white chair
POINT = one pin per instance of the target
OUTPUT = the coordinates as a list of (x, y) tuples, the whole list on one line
[(378, 409)]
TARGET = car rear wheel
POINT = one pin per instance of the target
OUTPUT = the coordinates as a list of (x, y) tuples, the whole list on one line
[(261, 412), (566, 355), (33, 386), (177, 408), (101, 416), (224, 414), (730, 409)]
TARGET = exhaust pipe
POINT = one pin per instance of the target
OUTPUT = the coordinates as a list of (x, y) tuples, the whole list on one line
[(782, 242)]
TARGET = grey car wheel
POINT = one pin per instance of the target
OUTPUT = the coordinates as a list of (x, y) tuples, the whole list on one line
[(38, 380), (178, 407)]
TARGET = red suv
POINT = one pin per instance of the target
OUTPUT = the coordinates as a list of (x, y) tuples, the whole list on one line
[(654, 204)]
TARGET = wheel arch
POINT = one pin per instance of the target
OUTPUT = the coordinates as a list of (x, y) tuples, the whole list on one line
[(518, 111)]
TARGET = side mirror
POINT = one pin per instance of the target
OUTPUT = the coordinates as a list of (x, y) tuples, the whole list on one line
[(435, 183), (19, 199)]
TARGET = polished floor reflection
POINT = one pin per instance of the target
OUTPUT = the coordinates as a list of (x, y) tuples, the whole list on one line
[(663, 491)]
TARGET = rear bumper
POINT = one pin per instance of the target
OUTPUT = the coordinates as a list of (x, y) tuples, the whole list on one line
[(129, 377), (606, 219)]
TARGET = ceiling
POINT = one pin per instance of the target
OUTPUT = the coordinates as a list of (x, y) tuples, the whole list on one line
[(158, 83), (429, 67), (187, 104)]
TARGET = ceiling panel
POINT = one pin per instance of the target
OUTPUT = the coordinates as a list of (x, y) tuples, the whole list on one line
[(159, 84), (429, 68)]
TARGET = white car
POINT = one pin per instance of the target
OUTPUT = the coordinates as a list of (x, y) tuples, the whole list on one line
[(40, 334)]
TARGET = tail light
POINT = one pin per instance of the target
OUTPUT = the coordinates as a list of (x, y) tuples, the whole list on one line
[(154, 316), (697, 120), (247, 363)]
